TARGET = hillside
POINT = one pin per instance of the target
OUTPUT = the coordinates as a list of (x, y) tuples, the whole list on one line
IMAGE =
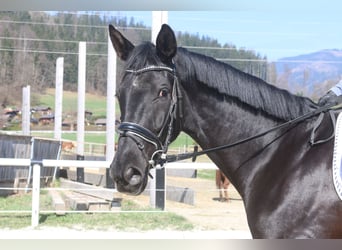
[(311, 74), (30, 43)]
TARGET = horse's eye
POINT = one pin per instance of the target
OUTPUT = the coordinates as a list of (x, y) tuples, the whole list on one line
[(163, 93)]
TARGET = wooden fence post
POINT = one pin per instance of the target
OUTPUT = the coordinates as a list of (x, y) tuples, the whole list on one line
[(81, 107), (26, 110), (35, 194), (59, 98)]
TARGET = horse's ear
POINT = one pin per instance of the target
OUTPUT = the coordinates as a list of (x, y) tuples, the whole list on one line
[(166, 44), (122, 46)]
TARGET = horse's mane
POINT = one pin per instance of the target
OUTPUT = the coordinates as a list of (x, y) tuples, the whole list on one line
[(227, 80), (253, 91)]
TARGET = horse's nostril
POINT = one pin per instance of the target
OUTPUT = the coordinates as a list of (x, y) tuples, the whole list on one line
[(135, 180), (133, 176), (128, 174)]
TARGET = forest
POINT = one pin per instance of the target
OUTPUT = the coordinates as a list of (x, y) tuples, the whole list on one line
[(30, 43)]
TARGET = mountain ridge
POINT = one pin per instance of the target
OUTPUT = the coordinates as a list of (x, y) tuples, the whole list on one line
[(310, 74)]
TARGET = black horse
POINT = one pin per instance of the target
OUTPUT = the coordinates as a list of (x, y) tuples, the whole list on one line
[(285, 181)]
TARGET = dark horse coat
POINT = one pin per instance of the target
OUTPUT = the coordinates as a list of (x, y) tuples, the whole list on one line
[(284, 181)]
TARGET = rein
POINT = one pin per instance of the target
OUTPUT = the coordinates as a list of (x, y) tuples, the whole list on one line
[(321, 111)]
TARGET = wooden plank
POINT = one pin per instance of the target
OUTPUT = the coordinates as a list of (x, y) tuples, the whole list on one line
[(103, 193), (57, 202), (185, 173), (75, 202), (98, 206), (180, 194), (89, 178), (78, 201)]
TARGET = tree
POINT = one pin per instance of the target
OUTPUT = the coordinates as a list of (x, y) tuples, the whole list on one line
[(30, 57)]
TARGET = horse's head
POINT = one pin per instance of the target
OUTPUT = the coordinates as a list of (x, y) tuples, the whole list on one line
[(148, 99)]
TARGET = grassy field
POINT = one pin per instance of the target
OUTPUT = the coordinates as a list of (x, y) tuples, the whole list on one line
[(94, 103), (88, 137), (183, 140), (142, 220), (208, 174)]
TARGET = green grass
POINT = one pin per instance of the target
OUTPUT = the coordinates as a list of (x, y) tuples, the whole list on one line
[(143, 220), (120, 221), (94, 103), (20, 203), (181, 141), (208, 174), (88, 137)]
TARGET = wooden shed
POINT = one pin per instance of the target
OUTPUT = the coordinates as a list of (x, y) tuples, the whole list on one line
[(25, 147)]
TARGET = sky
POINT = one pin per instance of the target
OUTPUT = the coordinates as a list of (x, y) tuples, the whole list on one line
[(272, 32), (272, 28)]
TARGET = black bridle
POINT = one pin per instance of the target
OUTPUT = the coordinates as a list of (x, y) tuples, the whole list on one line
[(134, 130)]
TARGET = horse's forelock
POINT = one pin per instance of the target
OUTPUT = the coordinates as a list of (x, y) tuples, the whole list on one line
[(143, 55)]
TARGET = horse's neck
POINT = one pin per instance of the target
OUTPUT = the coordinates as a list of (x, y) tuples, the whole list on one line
[(213, 121)]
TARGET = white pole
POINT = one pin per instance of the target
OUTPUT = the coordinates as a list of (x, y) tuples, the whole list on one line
[(81, 107), (25, 111), (111, 86), (59, 98), (35, 195), (158, 18), (81, 97)]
